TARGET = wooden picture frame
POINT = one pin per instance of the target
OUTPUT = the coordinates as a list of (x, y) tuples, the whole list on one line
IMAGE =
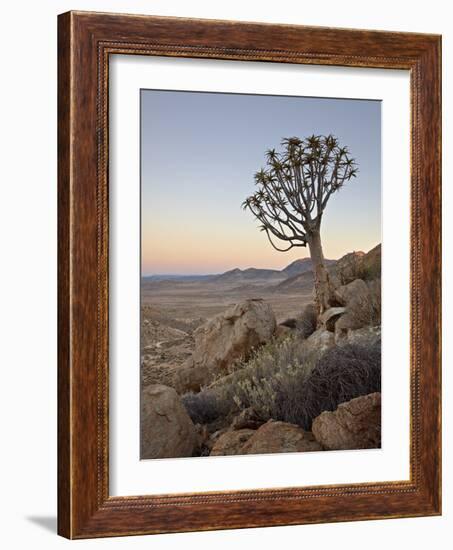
[(85, 42)]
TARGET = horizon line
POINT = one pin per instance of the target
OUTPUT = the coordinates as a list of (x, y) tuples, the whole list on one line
[(179, 274)]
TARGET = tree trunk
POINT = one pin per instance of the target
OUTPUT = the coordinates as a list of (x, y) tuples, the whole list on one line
[(323, 289)]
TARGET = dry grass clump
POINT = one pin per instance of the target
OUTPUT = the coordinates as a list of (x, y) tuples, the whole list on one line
[(275, 381), (341, 374), (299, 392), (366, 310)]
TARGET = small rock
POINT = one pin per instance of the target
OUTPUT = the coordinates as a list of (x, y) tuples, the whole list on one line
[(231, 442)]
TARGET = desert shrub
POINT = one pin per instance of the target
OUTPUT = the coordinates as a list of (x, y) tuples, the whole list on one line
[(274, 371), (206, 406), (366, 310), (285, 381), (341, 374), (304, 385)]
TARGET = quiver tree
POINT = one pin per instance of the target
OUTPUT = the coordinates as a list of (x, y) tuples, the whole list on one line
[(293, 192)]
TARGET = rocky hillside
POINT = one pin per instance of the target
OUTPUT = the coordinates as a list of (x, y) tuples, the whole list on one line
[(239, 383)]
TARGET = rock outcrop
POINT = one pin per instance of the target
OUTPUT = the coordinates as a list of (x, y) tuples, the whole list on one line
[(348, 267), (280, 437), (226, 339), (166, 429), (355, 424)]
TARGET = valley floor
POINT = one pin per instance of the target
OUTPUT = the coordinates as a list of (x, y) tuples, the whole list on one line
[(172, 310)]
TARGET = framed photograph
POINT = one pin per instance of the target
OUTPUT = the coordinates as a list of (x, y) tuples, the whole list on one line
[(249, 275)]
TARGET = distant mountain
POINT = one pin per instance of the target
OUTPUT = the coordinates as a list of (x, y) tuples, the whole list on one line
[(297, 267), (301, 266), (245, 275), (178, 278), (296, 276)]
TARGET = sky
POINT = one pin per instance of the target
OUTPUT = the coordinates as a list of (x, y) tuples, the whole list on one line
[(199, 153)]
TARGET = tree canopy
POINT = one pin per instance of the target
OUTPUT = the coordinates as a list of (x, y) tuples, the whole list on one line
[(294, 188)]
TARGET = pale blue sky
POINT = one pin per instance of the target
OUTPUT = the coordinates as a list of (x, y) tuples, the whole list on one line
[(199, 154)]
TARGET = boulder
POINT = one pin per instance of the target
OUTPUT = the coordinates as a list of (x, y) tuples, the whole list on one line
[(320, 341), (355, 290), (366, 336), (280, 437), (355, 295), (166, 429), (328, 319), (346, 323), (231, 442), (232, 335), (355, 424)]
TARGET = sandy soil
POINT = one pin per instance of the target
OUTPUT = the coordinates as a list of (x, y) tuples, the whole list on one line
[(172, 310)]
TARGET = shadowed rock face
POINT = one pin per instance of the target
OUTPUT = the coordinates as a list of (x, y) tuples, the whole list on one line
[(167, 430), (355, 424)]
